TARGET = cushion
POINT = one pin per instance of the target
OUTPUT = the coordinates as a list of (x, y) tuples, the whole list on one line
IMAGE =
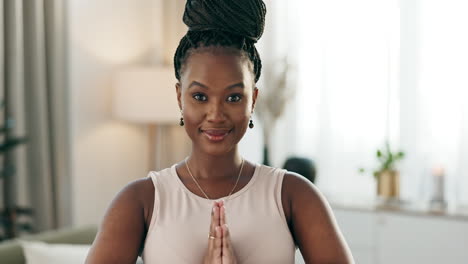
[(37, 252)]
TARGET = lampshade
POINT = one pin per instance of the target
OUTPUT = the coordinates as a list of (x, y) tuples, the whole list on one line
[(146, 95)]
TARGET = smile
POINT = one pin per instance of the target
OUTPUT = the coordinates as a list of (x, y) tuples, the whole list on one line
[(216, 135)]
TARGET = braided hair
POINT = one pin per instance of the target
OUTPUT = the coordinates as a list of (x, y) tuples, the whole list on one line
[(231, 24)]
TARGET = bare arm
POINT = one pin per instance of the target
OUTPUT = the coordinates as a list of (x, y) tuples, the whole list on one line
[(122, 230), (313, 224)]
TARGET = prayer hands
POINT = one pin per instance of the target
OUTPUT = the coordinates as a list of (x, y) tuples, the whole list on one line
[(220, 249)]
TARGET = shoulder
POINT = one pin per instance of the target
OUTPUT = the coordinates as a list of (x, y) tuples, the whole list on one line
[(122, 231), (302, 199), (299, 188), (144, 190), (313, 225), (296, 190), (139, 186), (136, 192), (137, 195), (302, 195)]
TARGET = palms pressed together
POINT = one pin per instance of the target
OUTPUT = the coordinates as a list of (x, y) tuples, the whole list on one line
[(220, 249)]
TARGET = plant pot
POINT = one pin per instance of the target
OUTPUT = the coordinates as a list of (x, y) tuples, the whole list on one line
[(388, 184)]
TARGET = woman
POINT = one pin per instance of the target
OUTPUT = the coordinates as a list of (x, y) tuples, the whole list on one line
[(215, 207)]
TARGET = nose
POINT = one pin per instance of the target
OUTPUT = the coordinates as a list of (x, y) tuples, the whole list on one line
[(216, 113)]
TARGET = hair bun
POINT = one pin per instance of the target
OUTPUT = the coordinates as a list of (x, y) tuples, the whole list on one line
[(240, 17)]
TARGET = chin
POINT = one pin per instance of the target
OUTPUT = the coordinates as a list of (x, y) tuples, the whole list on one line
[(215, 146), (218, 150)]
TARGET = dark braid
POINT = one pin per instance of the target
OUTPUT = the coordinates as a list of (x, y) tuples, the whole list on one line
[(222, 23)]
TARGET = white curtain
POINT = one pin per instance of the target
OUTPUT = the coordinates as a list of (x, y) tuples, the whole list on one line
[(343, 72), (434, 87), (368, 71), (277, 47), (34, 82), (346, 74)]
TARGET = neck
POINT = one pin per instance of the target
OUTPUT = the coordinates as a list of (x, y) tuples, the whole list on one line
[(218, 167)]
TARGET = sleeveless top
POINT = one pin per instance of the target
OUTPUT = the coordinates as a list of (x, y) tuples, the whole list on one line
[(178, 232)]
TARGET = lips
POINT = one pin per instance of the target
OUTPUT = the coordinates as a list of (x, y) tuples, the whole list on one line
[(216, 135)]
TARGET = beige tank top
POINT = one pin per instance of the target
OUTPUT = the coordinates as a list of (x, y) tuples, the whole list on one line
[(178, 232)]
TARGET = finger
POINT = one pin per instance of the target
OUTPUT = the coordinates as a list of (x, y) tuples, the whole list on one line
[(227, 247), (213, 225), (215, 250), (229, 256), (218, 242), (222, 216), (225, 234), (216, 215), (215, 204)]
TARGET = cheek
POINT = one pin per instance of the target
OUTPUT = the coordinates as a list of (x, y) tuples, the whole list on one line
[(241, 117), (192, 116), (191, 111)]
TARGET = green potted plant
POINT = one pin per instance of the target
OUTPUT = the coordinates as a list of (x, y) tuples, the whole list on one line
[(11, 216), (386, 174)]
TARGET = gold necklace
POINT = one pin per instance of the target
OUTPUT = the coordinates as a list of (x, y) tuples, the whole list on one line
[(199, 187)]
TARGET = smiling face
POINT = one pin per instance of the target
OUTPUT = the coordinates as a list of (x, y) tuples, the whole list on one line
[(216, 94)]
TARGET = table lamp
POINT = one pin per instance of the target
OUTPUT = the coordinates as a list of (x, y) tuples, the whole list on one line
[(146, 95)]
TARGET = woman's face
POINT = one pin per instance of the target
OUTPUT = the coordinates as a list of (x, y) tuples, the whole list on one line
[(217, 95)]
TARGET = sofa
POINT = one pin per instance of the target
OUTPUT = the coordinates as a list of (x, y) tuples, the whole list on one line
[(11, 251)]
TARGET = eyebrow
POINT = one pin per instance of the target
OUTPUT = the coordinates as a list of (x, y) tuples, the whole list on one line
[(237, 85)]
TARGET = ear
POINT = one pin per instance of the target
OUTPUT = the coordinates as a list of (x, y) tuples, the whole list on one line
[(178, 87), (254, 98)]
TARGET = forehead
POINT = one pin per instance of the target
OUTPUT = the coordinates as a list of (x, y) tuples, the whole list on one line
[(217, 69)]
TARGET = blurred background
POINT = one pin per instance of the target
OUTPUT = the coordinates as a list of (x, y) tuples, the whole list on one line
[(366, 97)]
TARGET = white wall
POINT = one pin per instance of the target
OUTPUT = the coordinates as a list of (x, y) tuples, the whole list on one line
[(105, 35)]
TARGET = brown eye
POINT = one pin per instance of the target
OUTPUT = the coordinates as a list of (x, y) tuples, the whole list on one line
[(200, 97), (234, 98)]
